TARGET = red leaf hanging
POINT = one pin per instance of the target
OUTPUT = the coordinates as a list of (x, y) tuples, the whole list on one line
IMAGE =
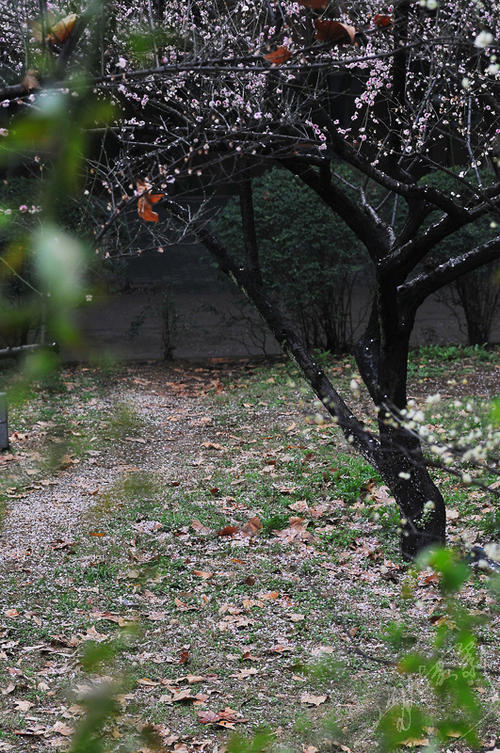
[(145, 202), (278, 56), (382, 21), (334, 31)]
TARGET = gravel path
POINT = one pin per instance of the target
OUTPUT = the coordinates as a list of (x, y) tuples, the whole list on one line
[(40, 519)]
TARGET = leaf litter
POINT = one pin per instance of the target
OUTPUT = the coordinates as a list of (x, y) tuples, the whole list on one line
[(169, 565)]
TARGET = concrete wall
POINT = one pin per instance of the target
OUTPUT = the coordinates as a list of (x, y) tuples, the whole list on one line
[(207, 315)]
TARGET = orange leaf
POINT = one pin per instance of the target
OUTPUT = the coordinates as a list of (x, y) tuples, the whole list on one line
[(208, 717), (314, 4), (382, 21), (146, 201), (278, 56), (252, 526), (334, 31), (144, 207), (62, 29), (228, 531), (203, 574), (221, 718)]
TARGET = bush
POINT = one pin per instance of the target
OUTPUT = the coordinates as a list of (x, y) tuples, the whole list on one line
[(307, 254)]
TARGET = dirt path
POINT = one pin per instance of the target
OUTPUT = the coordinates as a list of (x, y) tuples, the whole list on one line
[(38, 520)]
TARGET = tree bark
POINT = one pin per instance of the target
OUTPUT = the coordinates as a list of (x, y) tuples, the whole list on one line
[(382, 358), (423, 515)]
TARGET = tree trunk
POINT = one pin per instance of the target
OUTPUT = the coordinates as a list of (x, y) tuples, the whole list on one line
[(383, 366), (423, 515), (478, 327)]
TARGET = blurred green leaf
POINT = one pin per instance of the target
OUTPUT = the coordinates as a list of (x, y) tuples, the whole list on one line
[(95, 655), (60, 263), (453, 571), (403, 723), (495, 411), (259, 742)]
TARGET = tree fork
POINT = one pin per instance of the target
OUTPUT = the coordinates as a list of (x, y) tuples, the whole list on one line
[(397, 453)]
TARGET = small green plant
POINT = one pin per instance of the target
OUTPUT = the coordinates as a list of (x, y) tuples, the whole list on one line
[(450, 669), (275, 523)]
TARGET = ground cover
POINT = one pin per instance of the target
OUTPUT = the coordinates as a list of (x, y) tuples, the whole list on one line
[(219, 513)]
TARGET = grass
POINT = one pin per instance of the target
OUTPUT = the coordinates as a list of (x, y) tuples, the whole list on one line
[(227, 604)]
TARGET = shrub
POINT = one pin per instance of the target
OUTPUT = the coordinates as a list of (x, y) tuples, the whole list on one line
[(307, 254)]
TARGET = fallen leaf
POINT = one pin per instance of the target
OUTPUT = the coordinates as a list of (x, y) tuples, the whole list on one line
[(212, 445), (296, 531), (321, 650), (252, 526), (269, 596), (61, 544), (148, 526), (66, 461), (235, 622), (299, 506), (278, 648), (318, 511), (181, 696), (244, 673), (430, 579), (414, 742), (203, 574), (93, 635), (312, 700), (198, 526), (63, 729), (221, 718), (34, 732), (228, 531), (23, 705), (157, 616)]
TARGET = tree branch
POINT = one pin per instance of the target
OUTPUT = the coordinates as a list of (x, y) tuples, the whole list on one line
[(284, 331), (407, 256), (363, 225), (248, 225), (423, 285)]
